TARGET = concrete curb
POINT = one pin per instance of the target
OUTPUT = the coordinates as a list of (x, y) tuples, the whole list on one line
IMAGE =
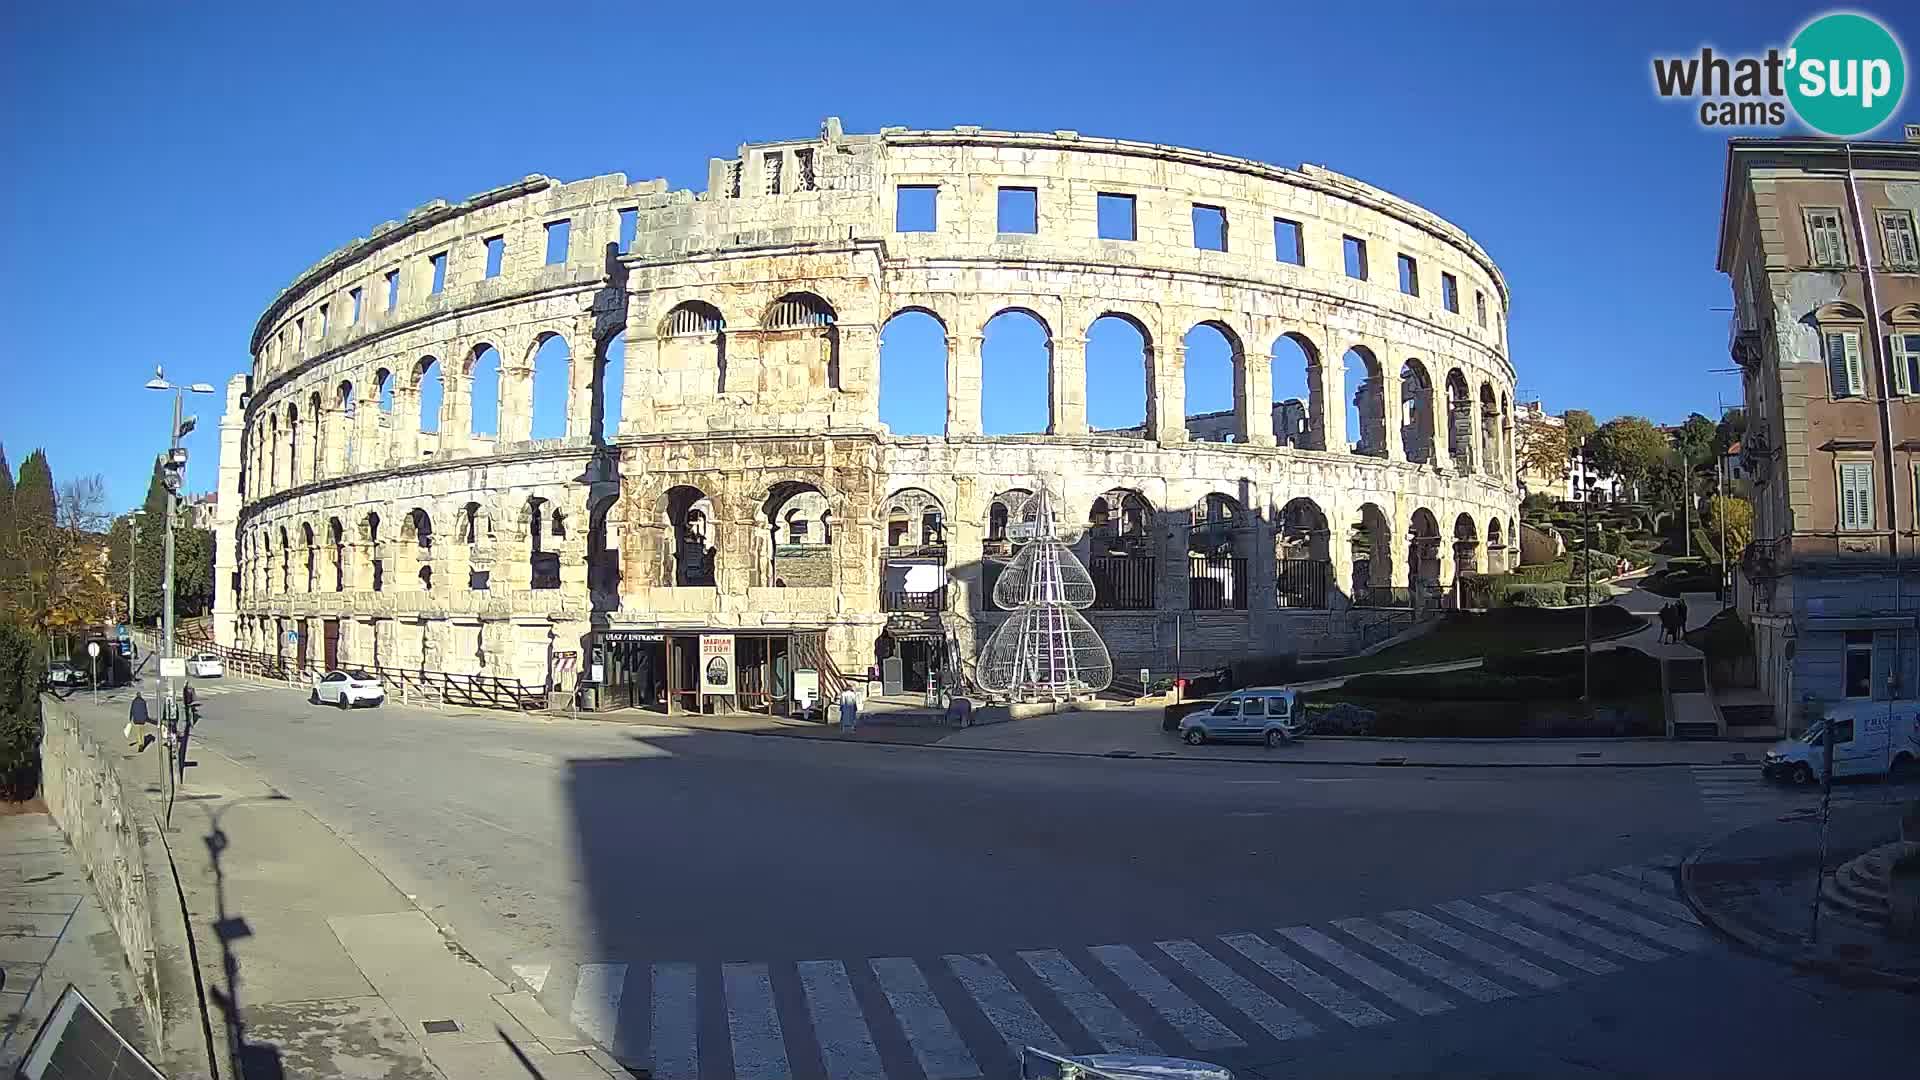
[(1797, 955)]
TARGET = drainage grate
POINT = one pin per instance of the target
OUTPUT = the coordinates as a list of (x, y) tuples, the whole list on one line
[(440, 1027)]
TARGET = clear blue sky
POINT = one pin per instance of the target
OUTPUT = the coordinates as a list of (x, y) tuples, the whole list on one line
[(169, 172)]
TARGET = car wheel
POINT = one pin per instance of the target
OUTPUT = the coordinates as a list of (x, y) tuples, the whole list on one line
[(1195, 736), (314, 697), (1275, 737), (1803, 774), (342, 701), (1904, 769)]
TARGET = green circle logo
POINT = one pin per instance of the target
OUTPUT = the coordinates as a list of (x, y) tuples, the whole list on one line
[(1848, 74)]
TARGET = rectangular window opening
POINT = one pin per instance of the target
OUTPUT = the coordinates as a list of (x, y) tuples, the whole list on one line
[(496, 254), (1480, 307), (559, 235), (1287, 243), (1355, 250), (1856, 496), (773, 163), (1903, 250), (1019, 210), (393, 289), (326, 320), (1409, 275), (1903, 361), (1845, 370), (1114, 217), (1858, 674), (1826, 243), (354, 296), (629, 222), (803, 162), (1450, 293), (1209, 228), (439, 263), (915, 208)]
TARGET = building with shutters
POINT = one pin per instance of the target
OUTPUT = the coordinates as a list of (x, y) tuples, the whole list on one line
[(1818, 240)]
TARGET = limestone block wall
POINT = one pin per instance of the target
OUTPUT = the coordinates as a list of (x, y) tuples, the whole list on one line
[(746, 322)]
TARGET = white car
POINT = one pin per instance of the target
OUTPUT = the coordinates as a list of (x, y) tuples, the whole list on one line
[(205, 666), (347, 689)]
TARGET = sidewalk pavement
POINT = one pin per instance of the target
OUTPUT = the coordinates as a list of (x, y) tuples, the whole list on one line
[(314, 964), (1757, 885), (52, 933)]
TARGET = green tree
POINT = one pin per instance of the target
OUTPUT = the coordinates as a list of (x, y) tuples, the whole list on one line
[(1579, 426), (20, 675), (1736, 515), (192, 558), (1541, 448), (1630, 447), (1694, 440), (8, 573)]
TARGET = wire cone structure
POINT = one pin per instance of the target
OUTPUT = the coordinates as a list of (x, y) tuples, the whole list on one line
[(1046, 650)]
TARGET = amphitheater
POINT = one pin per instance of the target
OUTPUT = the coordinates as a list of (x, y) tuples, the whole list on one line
[(606, 433)]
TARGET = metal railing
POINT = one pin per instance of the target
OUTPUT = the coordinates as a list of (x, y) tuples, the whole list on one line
[(931, 600), (1217, 582), (414, 684), (1122, 582), (1301, 583)]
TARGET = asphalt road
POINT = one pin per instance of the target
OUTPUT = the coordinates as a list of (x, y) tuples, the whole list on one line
[(619, 868)]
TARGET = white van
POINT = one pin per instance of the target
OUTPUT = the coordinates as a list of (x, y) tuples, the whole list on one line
[(1870, 738)]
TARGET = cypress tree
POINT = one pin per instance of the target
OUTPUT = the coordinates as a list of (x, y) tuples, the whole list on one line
[(33, 539), (8, 584)]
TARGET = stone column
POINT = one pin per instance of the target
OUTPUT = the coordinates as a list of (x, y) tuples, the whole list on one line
[(1067, 381), (1167, 394), (583, 357), (1253, 398), (456, 411), (1339, 559), (963, 384), (1398, 544), (638, 381), (1390, 409), (1437, 418), (516, 404), (1327, 381)]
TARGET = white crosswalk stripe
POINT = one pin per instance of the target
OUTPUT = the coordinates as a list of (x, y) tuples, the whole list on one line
[(1254, 1003), (1260, 989), (935, 1044), (1003, 1005), (1195, 1024), (1102, 1019), (846, 1044)]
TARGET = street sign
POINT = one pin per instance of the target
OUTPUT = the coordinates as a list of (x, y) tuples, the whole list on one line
[(173, 667), (93, 649), (293, 637)]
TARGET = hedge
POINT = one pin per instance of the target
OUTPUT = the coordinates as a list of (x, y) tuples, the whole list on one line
[(1703, 543), (21, 672)]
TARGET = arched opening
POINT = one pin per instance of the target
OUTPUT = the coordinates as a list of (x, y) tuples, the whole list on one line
[(552, 376), (693, 345), (1116, 376), (1120, 551), (468, 530), (483, 393), (317, 425), (1459, 422), (603, 556), (272, 451), (913, 565), (798, 524), (376, 563), (337, 542), (1372, 541), (419, 529), (1016, 359), (691, 536), (913, 373), (1489, 430), (1416, 412), (1423, 550), (1012, 517), (294, 456), (609, 387), (800, 343), (1298, 413), (1506, 435), (1216, 566), (349, 412), (1213, 401), (1303, 556), (383, 389), (312, 552), (1466, 546), (541, 526), (1366, 402), (1496, 547), (428, 380), (286, 562)]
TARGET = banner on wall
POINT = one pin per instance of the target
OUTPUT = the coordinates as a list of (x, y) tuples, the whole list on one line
[(716, 664)]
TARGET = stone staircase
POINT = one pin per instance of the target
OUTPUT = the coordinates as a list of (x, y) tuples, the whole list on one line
[(1857, 892)]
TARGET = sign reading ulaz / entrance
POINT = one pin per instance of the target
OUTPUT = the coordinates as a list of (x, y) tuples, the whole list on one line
[(716, 664)]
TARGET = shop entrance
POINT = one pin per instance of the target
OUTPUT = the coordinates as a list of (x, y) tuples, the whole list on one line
[(665, 673), (634, 673)]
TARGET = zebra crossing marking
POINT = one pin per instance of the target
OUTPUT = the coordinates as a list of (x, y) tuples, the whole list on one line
[(935, 1044), (846, 1043), (1414, 963), (1099, 1015), (1567, 924), (1003, 1004), (759, 1047), (1422, 961), (1305, 981), (1196, 1025)]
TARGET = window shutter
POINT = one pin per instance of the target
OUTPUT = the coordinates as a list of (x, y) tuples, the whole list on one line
[(1897, 353), (1837, 365), (1817, 227), (1856, 495), (1856, 377), (1846, 498)]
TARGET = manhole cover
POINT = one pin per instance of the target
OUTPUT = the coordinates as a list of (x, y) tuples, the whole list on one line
[(440, 1027)]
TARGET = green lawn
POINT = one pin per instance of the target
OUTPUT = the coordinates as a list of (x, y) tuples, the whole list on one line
[(1502, 631)]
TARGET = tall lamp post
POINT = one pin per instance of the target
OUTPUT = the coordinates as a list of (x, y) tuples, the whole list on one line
[(172, 473), (1586, 585)]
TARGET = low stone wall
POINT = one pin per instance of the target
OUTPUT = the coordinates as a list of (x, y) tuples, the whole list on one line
[(108, 819)]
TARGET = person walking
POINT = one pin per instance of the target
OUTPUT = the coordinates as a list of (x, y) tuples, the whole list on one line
[(849, 710), (1680, 620)]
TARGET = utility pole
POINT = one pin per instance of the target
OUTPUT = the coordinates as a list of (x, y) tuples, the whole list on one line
[(1586, 589), (173, 474)]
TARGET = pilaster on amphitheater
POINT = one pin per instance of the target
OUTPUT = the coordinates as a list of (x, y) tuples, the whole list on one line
[(604, 418)]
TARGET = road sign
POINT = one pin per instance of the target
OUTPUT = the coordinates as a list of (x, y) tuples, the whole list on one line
[(173, 667), (293, 637), (93, 649)]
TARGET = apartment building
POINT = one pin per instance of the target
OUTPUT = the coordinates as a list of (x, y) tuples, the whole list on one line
[(1817, 238)]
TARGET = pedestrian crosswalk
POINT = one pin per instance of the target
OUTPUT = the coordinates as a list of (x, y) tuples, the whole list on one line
[(1231, 997), (201, 689), (1736, 795)]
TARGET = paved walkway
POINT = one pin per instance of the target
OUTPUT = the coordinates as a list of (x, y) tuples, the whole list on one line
[(316, 965), (52, 933)]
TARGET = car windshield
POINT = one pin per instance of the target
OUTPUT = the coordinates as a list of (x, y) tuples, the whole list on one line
[(359, 675), (1815, 734)]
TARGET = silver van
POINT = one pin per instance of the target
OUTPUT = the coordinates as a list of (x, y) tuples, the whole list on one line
[(1275, 714)]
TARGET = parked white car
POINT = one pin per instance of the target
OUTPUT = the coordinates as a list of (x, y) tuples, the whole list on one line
[(347, 689), (205, 666), (1870, 738)]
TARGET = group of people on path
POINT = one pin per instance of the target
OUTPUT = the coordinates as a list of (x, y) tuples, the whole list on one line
[(1673, 622)]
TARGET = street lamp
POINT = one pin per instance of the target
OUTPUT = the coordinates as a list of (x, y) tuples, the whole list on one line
[(172, 472)]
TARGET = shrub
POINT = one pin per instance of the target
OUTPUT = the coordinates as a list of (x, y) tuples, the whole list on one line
[(1536, 594), (1703, 543), (1541, 572), (1723, 637), (21, 671)]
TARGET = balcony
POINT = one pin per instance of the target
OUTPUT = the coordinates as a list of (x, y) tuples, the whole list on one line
[(1744, 338), (925, 602)]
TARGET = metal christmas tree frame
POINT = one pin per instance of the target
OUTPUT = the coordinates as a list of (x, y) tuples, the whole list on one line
[(1046, 650)]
